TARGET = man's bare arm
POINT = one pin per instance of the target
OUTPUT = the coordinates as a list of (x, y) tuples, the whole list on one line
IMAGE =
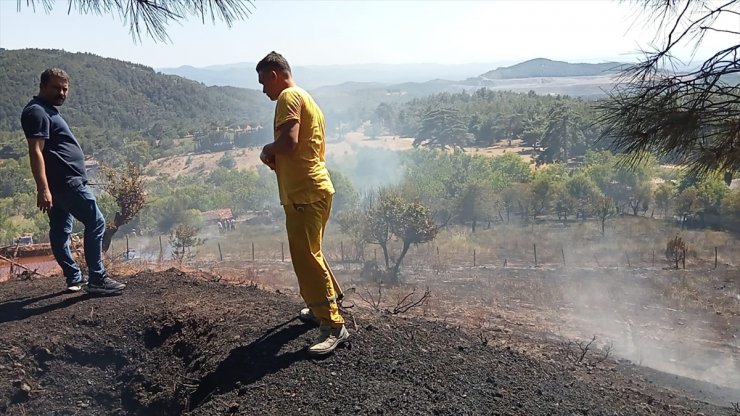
[(287, 140), (38, 167)]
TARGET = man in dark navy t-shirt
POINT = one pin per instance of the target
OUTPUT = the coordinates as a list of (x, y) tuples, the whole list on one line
[(58, 167)]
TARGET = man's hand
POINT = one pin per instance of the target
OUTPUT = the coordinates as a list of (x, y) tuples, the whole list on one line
[(43, 200), (267, 158)]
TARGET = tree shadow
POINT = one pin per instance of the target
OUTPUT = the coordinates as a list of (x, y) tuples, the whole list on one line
[(248, 364), (18, 310)]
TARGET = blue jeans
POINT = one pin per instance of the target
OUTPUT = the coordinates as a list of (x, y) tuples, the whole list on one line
[(77, 202)]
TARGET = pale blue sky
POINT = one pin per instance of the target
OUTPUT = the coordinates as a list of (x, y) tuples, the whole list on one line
[(351, 32)]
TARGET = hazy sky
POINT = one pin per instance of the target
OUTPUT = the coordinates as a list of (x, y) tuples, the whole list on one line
[(350, 32)]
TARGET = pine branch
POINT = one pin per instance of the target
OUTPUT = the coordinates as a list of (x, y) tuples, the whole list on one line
[(152, 17)]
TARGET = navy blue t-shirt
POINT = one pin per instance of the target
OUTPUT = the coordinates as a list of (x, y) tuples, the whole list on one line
[(63, 157)]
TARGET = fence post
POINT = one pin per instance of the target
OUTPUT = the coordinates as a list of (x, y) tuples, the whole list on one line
[(715, 257), (535, 255), (220, 255)]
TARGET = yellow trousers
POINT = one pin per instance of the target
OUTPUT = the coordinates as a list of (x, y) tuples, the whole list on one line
[(305, 224)]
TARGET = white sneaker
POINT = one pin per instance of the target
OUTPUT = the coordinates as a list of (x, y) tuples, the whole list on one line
[(329, 340), (306, 315), (74, 287)]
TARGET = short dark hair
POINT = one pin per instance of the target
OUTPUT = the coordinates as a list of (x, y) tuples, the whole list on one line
[(274, 61), (53, 72)]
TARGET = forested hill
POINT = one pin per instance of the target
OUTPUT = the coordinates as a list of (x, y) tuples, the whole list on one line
[(542, 67), (116, 95)]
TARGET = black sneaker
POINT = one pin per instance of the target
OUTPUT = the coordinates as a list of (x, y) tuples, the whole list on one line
[(105, 286)]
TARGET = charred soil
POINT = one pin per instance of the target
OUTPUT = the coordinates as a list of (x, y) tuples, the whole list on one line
[(178, 343)]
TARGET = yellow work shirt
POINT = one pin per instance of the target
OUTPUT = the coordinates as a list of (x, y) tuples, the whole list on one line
[(302, 175)]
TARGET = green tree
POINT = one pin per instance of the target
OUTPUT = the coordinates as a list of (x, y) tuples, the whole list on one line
[(513, 167), (562, 136), (352, 223), (378, 220), (412, 224), (475, 203), (391, 215), (127, 188), (227, 161), (582, 192), (711, 191), (731, 208), (543, 188), (664, 195), (603, 207), (182, 240), (16, 176), (688, 203), (442, 128), (345, 196)]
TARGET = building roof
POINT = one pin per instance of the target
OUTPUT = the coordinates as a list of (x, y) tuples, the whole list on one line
[(218, 215)]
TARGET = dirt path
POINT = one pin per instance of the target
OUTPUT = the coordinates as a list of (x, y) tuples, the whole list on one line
[(179, 343)]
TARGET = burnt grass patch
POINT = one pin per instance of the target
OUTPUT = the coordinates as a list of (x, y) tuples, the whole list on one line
[(176, 343)]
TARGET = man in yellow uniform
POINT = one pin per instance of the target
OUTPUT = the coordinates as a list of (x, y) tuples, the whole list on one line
[(297, 157)]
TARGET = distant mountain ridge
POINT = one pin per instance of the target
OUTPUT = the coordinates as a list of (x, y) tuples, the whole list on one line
[(542, 67), (315, 76)]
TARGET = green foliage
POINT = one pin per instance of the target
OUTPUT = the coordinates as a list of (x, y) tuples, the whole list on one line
[(627, 185), (688, 202), (663, 195), (545, 187), (441, 128), (711, 191), (513, 167), (111, 94), (119, 111), (390, 215), (563, 126), (16, 178), (582, 194), (564, 134), (239, 190), (345, 197), (700, 196), (182, 239), (227, 161), (458, 186), (731, 206)]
